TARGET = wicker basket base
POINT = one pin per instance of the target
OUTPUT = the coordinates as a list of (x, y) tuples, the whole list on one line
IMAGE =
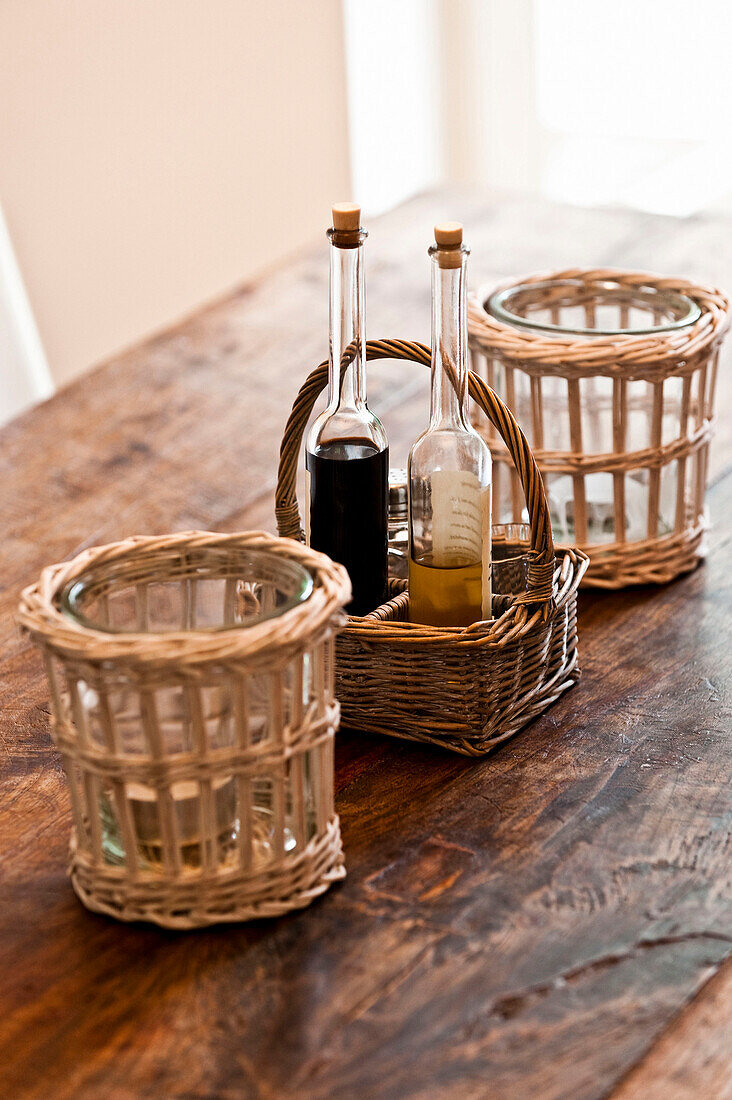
[(654, 561), (528, 708), (465, 697), (193, 903)]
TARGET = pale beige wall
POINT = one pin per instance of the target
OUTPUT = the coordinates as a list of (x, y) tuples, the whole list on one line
[(155, 152)]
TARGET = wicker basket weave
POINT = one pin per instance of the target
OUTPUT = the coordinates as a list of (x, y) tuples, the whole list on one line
[(626, 416), (462, 689), (199, 759)]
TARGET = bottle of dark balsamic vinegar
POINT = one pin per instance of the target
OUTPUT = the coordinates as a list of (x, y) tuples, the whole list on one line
[(347, 452)]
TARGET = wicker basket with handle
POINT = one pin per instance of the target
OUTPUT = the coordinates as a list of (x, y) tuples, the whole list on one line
[(465, 689)]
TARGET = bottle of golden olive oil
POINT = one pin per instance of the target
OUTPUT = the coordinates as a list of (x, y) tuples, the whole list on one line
[(449, 466)]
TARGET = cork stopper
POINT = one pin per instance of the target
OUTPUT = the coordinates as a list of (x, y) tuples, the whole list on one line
[(346, 217), (448, 244), (448, 234)]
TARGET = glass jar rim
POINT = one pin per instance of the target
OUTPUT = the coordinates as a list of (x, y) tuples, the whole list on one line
[(689, 310), (72, 593)]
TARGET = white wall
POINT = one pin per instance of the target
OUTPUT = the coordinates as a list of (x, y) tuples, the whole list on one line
[(583, 101), (393, 98), (24, 374), (490, 126), (440, 91), (652, 127), (155, 152)]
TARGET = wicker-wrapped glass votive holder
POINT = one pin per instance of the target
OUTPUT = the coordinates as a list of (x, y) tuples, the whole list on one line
[(192, 700), (611, 375), (465, 689)]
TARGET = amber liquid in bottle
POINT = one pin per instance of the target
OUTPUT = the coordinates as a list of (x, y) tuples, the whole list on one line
[(442, 595)]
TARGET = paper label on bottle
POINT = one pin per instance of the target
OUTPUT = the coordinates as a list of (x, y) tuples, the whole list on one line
[(306, 507), (461, 519)]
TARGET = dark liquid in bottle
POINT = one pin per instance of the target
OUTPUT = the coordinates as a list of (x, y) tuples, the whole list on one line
[(349, 500)]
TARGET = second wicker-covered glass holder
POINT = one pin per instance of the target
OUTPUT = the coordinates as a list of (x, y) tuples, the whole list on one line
[(464, 689), (191, 681), (612, 375)]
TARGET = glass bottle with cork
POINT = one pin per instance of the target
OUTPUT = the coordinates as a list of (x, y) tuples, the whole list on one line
[(347, 451), (449, 466)]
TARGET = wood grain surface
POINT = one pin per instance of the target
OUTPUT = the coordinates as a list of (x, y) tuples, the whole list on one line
[(542, 923), (692, 1059)]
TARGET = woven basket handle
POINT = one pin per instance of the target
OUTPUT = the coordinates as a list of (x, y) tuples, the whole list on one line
[(541, 564)]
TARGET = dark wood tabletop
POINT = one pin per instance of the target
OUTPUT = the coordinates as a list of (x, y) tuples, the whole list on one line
[(552, 921)]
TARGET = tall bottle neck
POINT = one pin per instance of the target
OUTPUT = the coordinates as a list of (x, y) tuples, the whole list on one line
[(449, 347), (347, 321)]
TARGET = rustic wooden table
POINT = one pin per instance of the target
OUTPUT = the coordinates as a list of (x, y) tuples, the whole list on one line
[(550, 922)]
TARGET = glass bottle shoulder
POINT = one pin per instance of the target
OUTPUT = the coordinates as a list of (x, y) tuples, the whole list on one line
[(450, 448), (346, 425)]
